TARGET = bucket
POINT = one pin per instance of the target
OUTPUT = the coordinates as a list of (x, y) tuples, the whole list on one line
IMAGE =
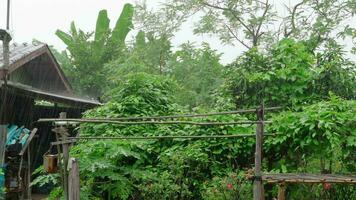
[(50, 163)]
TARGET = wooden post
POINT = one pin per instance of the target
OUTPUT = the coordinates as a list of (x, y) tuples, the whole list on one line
[(65, 148), (6, 38), (281, 191), (257, 183), (28, 191), (73, 184)]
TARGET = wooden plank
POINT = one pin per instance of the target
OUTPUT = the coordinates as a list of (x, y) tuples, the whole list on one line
[(257, 183), (65, 148), (309, 178), (32, 134), (74, 180), (281, 191), (29, 173), (3, 135)]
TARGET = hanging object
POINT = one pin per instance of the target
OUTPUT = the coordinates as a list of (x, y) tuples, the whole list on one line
[(50, 162)]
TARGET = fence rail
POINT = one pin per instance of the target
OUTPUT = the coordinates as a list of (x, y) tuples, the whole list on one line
[(159, 117), (65, 141)]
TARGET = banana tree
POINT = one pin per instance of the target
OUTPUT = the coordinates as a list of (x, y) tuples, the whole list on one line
[(89, 52)]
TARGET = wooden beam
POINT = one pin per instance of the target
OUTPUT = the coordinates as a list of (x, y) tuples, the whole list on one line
[(32, 134), (257, 183), (281, 191), (65, 148), (74, 180)]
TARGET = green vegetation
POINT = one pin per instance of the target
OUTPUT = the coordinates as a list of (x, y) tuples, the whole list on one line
[(302, 67)]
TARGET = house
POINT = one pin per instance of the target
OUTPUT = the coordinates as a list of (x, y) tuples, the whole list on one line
[(37, 88)]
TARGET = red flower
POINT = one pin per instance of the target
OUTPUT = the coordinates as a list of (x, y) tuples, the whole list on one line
[(229, 186), (326, 186)]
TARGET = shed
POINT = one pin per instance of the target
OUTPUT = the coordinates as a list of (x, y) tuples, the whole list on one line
[(34, 77)]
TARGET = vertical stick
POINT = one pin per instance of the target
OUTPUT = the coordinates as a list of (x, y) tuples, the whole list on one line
[(65, 147), (257, 184), (28, 173), (3, 135), (3, 109), (3, 73), (281, 191), (8, 15), (74, 185)]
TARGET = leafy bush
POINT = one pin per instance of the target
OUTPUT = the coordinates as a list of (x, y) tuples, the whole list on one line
[(289, 74), (168, 169), (233, 186), (325, 128)]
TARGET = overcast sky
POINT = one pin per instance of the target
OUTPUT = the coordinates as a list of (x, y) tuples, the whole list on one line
[(40, 19)]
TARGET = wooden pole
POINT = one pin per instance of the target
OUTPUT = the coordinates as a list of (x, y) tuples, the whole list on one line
[(281, 191), (28, 191), (65, 148), (169, 116), (257, 183), (8, 15), (74, 180), (3, 75)]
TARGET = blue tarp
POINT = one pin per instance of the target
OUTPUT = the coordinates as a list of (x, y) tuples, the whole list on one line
[(2, 179), (17, 134)]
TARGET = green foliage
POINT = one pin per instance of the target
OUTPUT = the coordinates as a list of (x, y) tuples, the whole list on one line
[(289, 75), (281, 77), (233, 186), (258, 24), (149, 54), (100, 170), (324, 128), (2, 188), (88, 56), (123, 25), (43, 178), (306, 72), (152, 169), (204, 77)]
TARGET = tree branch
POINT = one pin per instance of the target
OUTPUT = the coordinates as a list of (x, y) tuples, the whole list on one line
[(236, 37), (287, 34), (257, 34), (233, 13)]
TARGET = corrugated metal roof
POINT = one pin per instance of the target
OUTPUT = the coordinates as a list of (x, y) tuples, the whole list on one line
[(19, 51)]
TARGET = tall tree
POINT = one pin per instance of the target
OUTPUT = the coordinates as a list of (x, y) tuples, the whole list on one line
[(199, 73), (88, 52), (257, 24)]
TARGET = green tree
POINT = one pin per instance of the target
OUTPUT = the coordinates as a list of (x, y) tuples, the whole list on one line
[(289, 74), (88, 54), (149, 53), (199, 73), (257, 24)]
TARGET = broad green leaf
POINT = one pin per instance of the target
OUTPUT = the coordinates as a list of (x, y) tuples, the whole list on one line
[(102, 26), (66, 38), (123, 25), (73, 29)]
